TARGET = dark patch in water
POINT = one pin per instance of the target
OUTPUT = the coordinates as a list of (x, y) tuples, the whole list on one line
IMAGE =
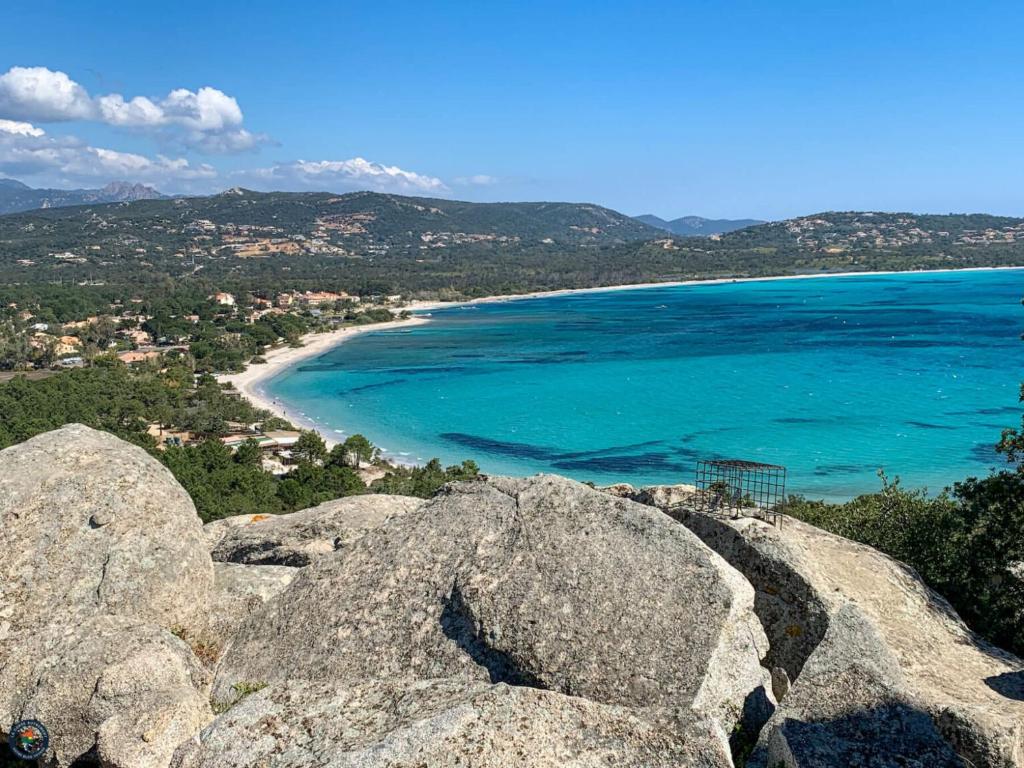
[(798, 420), (926, 425), (987, 453), (604, 460), (427, 369), (825, 469), (704, 432), (368, 387), (624, 464), (500, 447), (614, 449), (537, 361), (692, 455), (987, 411)]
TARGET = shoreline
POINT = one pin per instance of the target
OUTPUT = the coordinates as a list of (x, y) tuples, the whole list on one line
[(249, 382), (428, 305)]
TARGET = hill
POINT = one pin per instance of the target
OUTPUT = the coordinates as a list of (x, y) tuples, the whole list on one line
[(15, 196), (371, 244), (697, 226)]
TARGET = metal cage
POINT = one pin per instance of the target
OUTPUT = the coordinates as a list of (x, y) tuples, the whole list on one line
[(741, 488)]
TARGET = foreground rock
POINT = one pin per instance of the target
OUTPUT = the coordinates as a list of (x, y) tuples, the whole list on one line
[(299, 538), (544, 582), (240, 591), (449, 723), (885, 672), (108, 687), (92, 525), (654, 495)]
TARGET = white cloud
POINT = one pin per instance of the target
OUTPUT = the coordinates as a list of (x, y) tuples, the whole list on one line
[(41, 95), (20, 129), (479, 180), (60, 160), (207, 119), (357, 173), (138, 112), (226, 142), (205, 110)]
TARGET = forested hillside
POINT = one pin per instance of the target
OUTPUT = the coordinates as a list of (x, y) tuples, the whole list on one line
[(369, 243)]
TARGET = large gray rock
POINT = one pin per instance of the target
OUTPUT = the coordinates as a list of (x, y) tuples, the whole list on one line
[(850, 706), (450, 723), (298, 538), (106, 687), (940, 674), (544, 582), (90, 525), (240, 591)]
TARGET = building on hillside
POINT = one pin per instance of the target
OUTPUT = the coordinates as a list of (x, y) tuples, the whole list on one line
[(224, 299), (81, 323), (137, 337), (320, 298), (273, 441), (136, 356), (284, 300), (66, 345)]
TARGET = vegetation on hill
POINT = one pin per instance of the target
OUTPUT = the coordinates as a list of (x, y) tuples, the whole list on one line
[(376, 244)]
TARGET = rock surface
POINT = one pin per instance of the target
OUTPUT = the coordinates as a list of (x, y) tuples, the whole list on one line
[(240, 591), (107, 686), (851, 706), (91, 525), (809, 583), (653, 495), (544, 582), (449, 723), (298, 538)]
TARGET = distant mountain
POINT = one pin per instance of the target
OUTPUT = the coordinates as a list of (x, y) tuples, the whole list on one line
[(367, 223), (697, 226), (15, 196)]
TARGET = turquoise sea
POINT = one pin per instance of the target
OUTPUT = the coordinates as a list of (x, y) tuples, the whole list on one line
[(832, 377)]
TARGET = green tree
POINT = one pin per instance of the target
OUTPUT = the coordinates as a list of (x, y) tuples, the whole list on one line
[(249, 454), (358, 450), (310, 447)]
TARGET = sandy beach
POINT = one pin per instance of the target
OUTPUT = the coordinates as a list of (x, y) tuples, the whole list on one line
[(250, 382)]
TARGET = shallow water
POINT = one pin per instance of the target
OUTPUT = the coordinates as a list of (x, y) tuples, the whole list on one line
[(835, 378)]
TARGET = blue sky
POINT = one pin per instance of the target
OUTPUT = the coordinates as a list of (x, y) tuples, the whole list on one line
[(730, 109)]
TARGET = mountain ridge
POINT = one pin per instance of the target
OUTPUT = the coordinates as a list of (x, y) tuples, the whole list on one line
[(371, 243), (697, 226), (17, 197)]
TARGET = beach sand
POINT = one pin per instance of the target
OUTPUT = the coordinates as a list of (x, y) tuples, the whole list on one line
[(250, 381)]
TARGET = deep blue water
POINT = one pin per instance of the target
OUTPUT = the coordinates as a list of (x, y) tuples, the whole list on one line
[(833, 377)]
